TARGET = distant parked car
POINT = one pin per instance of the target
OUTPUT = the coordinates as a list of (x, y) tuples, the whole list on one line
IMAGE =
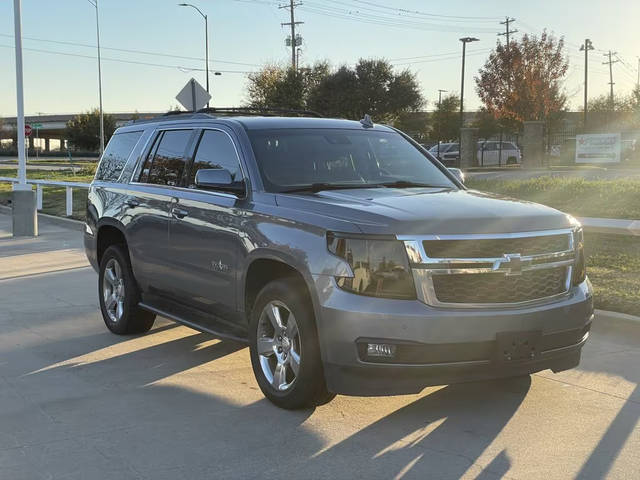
[(449, 153), (489, 152)]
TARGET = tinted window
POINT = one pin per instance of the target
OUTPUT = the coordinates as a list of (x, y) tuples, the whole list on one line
[(215, 150), (302, 157), (166, 164), (115, 155)]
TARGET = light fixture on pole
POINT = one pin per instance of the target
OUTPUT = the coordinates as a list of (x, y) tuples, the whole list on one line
[(94, 3), (206, 39)]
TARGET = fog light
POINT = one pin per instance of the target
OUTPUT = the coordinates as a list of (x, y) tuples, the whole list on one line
[(380, 350)]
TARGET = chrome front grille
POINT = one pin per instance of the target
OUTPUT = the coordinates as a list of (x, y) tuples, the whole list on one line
[(491, 270)]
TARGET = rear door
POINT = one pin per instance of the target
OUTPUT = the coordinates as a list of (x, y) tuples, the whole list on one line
[(204, 229), (148, 204)]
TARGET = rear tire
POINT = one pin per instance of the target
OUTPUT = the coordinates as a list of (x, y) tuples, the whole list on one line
[(119, 294), (284, 347)]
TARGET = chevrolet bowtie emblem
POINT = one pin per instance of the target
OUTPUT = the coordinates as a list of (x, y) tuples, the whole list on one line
[(512, 262)]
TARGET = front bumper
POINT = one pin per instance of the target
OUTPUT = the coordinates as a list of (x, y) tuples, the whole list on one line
[(437, 346)]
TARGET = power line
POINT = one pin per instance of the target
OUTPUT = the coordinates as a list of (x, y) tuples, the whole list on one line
[(127, 50), (418, 12), (120, 60)]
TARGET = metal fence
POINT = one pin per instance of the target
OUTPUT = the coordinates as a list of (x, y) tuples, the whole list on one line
[(69, 186)]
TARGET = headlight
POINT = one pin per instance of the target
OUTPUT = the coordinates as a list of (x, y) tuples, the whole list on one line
[(580, 267), (380, 267)]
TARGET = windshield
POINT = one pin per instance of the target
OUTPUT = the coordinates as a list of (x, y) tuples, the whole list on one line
[(297, 158)]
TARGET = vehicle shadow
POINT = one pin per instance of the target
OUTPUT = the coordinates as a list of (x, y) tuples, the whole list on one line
[(614, 343), (440, 435)]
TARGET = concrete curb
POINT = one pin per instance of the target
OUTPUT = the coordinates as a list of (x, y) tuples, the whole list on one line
[(52, 219), (607, 315)]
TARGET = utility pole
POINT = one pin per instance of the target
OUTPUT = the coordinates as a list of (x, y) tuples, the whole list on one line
[(638, 82), (292, 23), (507, 33), (440, 92), (586, 47), (610, 62), (94, 3)]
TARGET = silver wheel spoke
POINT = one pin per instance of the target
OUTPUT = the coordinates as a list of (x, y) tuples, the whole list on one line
[(110, 277), (274, 317), (111, 302), (280, 377), (294, 362), (119, 309), (117, 269), (292, 327), (266, 346)]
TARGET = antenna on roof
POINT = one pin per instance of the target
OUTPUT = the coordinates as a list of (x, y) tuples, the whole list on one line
[(366, 121)]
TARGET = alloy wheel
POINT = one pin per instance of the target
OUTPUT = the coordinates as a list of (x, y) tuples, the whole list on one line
[(278, 345), (113, 290)]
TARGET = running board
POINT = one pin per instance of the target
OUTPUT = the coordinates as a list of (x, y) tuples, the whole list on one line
[(189, 324)]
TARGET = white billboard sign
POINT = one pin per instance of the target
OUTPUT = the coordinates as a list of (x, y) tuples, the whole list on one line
[(598, 148)]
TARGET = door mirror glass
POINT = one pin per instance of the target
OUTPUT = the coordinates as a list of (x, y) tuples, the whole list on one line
[(218, 179), (459, 174)]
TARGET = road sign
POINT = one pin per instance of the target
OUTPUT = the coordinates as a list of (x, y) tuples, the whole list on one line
[(36, 125), (193, 96), (27, 130)]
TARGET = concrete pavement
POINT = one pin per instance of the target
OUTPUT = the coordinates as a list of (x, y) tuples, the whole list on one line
[(77, 402)]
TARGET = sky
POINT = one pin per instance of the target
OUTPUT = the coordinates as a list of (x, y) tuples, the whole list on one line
[(145, 42)]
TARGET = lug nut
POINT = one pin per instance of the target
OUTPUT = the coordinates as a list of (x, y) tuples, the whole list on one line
[(279, 349)]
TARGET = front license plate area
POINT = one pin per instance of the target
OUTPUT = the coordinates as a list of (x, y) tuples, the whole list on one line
[(513, 347)]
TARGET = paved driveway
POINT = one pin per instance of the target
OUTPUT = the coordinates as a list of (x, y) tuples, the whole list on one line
[(77, 402)]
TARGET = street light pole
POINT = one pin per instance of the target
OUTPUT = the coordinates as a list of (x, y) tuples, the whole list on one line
[(22, 163), (440, 92), (95, 5), (206, 39), (464, 41)]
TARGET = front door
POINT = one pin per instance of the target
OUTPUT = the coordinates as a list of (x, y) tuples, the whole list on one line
[(204, 230)]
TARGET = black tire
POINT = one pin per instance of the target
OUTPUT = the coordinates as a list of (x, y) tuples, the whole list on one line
[(309, 388), (132, 318)]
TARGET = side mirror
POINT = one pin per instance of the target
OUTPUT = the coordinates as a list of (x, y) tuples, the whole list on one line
[(459, 174), (219, 179)]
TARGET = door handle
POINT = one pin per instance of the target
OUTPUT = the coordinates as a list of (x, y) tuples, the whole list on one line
[(178, 212), (132, 202)]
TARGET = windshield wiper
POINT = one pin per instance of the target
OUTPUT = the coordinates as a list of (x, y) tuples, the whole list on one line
[(409, 184), (318, 187)]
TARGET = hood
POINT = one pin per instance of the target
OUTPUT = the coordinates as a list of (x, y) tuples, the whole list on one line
[(426, 211)]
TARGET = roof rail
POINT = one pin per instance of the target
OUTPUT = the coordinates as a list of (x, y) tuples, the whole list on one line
[(261, 111)]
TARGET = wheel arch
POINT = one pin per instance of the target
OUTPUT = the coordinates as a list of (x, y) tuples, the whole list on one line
[(109, 232)]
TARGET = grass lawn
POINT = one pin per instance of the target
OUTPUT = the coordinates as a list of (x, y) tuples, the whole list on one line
[(577, 196), (613, 266), (53, 198)]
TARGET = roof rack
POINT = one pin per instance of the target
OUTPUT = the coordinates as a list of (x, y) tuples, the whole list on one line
[(261, 111)]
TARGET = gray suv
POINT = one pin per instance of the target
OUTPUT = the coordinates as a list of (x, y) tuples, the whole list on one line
[(345, 255)]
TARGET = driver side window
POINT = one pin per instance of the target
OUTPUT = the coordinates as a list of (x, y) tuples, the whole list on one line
[(215, 150)]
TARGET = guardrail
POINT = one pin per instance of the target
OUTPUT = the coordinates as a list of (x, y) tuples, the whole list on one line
[(69, 186)]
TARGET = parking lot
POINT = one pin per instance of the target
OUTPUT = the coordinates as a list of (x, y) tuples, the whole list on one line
[(79, 402)]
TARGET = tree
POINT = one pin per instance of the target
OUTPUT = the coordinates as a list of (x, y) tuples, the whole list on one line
[(280, 87), (446, 118), (83, 130), (486, 123), (524, 81), (372, 87)]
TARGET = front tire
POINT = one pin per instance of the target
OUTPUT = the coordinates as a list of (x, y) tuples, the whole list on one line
[(119, 294), (285, 353)]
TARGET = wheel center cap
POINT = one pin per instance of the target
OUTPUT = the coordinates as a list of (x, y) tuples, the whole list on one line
[(286, 344)]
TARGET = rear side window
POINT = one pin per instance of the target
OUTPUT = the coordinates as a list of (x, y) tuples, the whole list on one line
[(215, 150), (115, 156), (166, 163)]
